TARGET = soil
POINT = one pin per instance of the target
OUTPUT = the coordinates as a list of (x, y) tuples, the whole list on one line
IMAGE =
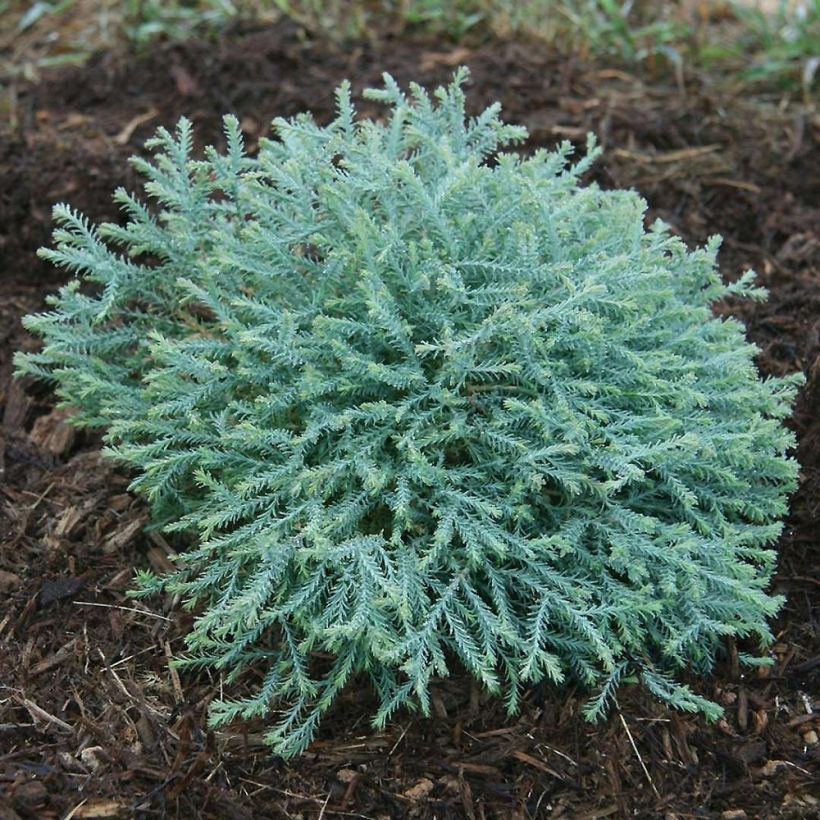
[(94, 723)]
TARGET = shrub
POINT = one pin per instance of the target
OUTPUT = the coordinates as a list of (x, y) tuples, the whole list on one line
[(421, 402)]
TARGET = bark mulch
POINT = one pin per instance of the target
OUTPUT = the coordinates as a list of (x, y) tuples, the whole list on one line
[(94, 723)]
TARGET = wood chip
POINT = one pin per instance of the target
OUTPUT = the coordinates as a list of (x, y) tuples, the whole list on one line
[(17, 407), (346, 775), (94, 757), (431, 59), (536, 764), (53, 433), (771, 767), (504, 730), (438, 705), (742, 710), (477, 768), (420, 790), (60, 656), (8, 581), (125, 536), (175, 681), (121, 502), (159, 561), (760, 719), (70, 520), (801, 719), (70, 763)]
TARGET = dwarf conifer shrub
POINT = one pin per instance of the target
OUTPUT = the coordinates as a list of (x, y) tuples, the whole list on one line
[(421, 402)]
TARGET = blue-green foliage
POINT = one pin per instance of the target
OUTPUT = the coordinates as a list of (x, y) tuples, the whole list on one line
[(417, 407)]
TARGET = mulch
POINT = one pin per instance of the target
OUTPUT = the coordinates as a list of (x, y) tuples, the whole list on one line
[(93, 721)]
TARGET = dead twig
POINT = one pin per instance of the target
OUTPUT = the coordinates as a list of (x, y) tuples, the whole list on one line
[(638, 754), (537, 764), (124, 136), (124, 609), (664, 157), (38, 713)]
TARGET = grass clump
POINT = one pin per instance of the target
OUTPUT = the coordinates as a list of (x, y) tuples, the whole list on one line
[(417, 402), (784, 44)]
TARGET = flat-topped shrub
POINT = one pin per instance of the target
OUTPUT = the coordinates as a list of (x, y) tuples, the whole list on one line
[(418, 402)]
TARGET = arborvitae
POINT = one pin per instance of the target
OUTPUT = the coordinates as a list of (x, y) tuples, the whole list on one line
[(415, 402)]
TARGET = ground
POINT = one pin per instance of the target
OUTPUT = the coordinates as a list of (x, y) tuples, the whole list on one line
[(94, 723)]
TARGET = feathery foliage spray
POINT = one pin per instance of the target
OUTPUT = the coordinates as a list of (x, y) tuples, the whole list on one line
[(415, 408)]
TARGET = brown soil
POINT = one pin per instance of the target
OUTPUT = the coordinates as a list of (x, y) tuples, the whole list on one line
[(92, 721)]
